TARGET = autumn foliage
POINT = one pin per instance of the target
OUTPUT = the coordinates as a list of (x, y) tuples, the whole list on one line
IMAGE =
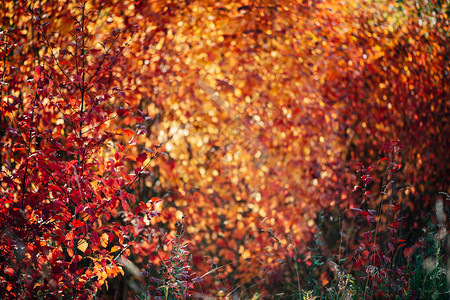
[(248, 122)]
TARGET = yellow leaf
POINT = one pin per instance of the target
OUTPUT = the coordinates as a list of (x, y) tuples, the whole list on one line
[(104, 240), (82, 245)]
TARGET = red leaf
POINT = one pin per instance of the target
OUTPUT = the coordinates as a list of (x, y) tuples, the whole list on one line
[(408, 251), (79, 208), (383, 159), (95, 239), (141, 157), (77, 223), (137, 171), (391, 247), (356, 188), (9, 271), (395, 224), (155, 200), (367, 179), (364, 213), (38, 74), (365, 253), (396, 167), (117, 156), (376, 259), (121, 111)]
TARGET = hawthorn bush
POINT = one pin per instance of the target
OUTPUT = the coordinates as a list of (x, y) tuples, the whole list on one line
[(67, 211)]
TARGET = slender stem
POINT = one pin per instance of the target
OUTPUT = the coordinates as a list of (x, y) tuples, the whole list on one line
[(80, 158), (2, 117), (82, 89)]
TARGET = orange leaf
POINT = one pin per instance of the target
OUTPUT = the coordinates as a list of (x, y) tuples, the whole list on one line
[(115, 248), (128, 132)]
